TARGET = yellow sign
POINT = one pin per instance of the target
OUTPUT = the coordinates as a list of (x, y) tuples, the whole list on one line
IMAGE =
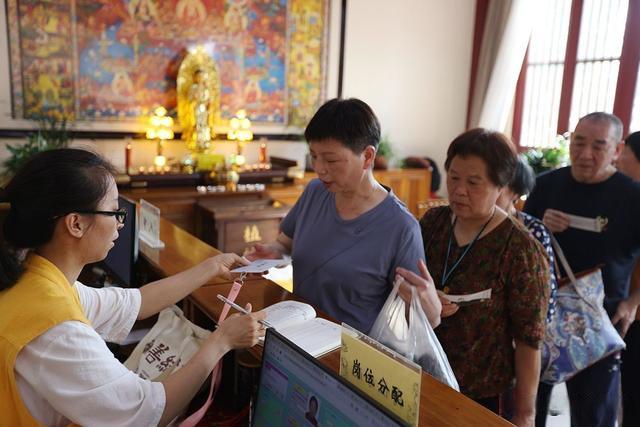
[(388, 378)]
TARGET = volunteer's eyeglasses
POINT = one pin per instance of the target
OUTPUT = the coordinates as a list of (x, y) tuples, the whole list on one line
[(120, 214)]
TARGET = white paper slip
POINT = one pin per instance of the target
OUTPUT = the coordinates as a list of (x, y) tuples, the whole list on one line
[(478, 296), (262, 265), (597, 224)]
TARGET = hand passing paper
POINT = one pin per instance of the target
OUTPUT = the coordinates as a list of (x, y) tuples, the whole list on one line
[(262, 265)]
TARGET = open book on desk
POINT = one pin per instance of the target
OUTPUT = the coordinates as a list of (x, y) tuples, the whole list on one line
[(297, 321)]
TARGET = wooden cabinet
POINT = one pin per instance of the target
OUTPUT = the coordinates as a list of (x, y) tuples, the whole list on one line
[(287, 194), (178, 204), (412, 186), (235, 228)]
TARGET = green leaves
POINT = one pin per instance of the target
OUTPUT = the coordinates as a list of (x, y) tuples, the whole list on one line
[(384, 148), (51, 134), (543, 159)]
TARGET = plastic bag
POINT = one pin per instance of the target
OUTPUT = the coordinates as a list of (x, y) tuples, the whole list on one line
[(415, 340)]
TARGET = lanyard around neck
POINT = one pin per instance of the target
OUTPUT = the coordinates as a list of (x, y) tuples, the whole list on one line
[(446, 273)]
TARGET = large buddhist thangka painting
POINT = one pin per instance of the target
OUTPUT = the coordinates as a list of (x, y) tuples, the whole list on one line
[(118, 59)]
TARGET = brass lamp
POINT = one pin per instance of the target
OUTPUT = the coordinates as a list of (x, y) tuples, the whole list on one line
[(241, 133), (160, 128)]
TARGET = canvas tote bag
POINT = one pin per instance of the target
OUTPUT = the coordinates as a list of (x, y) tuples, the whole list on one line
[(174, 340), (170, 344), (580, 332)]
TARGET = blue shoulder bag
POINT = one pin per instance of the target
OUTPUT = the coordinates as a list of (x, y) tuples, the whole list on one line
[(580, 332)]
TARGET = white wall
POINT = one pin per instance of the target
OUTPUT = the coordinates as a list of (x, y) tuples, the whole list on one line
[(409, 59)]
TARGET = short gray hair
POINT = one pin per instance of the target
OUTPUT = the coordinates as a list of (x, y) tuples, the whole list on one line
[(614, 122)]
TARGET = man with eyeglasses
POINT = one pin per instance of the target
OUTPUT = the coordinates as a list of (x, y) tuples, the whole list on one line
[(593, 211)]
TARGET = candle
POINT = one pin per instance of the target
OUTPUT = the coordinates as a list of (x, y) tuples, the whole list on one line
[(263, 153), (127, 158)]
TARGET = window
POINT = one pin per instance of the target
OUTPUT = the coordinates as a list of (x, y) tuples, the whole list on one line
[(598, 60), (574, 66), (544, 68)]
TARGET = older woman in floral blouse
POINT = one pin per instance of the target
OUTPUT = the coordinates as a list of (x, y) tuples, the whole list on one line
[(473, 245)]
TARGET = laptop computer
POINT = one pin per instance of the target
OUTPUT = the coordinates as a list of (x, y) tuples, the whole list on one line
[(296, 389)]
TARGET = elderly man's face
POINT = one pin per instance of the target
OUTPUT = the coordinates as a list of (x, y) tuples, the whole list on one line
[(593, 149)]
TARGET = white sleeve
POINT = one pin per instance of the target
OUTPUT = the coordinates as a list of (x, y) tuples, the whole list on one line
[(69, 371), (111, 311)]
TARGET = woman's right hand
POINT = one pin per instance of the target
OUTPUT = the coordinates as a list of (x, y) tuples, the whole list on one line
[(448, 308), (263, 251), (240, 330), (426, 291)]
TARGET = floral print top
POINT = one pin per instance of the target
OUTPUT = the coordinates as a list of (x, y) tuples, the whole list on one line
[(540, 232), (478, 338)]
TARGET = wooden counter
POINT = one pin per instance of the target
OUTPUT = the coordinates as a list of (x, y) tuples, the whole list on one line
[(181, 251), (440, 405)]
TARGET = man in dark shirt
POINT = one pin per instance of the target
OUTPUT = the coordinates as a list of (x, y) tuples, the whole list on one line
[(591, 194)]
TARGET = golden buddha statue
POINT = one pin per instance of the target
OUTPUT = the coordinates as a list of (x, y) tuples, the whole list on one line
[(198, 99)]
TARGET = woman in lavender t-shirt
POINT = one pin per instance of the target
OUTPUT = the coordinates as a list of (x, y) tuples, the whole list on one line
[(348, 235)]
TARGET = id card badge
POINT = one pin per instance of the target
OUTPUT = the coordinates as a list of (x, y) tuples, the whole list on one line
[(595, 225)]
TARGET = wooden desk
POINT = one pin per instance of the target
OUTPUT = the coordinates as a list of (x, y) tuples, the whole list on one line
[(439, 404), (181, 252)]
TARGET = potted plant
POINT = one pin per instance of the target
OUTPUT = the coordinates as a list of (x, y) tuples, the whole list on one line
[(544, 159), (50, 135), (384, 154)]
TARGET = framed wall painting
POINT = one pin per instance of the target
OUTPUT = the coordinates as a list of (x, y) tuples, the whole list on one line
[(107, 61)]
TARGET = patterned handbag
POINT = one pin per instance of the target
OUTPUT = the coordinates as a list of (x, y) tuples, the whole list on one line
[(580, 332)]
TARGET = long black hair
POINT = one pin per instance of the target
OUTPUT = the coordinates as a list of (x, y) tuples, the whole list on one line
[(50, 184)]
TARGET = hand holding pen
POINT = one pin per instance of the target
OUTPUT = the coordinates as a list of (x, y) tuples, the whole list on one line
[(239, 331), (243, 310)]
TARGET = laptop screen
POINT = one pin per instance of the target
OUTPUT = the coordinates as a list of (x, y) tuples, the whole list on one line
[(297, 390)]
